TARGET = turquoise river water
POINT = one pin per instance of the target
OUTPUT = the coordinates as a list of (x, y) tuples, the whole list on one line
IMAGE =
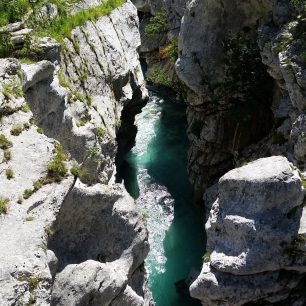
[(154, 173)]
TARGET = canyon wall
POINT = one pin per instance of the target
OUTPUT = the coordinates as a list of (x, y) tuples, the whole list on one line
[(69, 233), (242, 68), (244, 63)]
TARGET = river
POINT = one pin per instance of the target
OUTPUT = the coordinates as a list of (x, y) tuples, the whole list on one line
[(154, 173)]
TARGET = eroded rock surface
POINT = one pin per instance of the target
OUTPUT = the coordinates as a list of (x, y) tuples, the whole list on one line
[(79, 229), (219, 61), (253, 230)]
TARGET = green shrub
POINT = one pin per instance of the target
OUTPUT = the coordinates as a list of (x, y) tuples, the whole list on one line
[(59, 28), (25, 108), (12, 88), (29, 218), (117, 122), (89, 100), (56, 168), (157, 75), (17, 129), (93, 153), (40, 130), (76, 45), (6, 46), (78, 170), (245, 74), (33, 283), (83, 76), (9, 173), (100, 132), (4, 142), (86, 118), (27, 193), (170, 50), (206, 257), (50, 231), (4, 205), (63, 80), (12, 10), (38, 184), (76, 95), (158, 24)]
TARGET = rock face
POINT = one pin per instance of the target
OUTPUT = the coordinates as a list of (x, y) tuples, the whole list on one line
[(219, 61), (252, 232), (79, 231), (236, 111)]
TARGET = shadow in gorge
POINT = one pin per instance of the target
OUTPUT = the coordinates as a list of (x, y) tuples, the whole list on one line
[(165, 160)]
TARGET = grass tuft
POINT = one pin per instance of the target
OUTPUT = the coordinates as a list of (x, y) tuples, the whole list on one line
[(78, 170), (17, 129), (100, 132), (4, 142), (50, 231), (56, 168), (12, 89), (27, 193), (25, 108), (29, 218), (206, 257), (4, 206), (9, 173)]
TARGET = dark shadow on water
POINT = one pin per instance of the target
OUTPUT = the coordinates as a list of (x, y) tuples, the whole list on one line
[(128, 172), (184, 244)]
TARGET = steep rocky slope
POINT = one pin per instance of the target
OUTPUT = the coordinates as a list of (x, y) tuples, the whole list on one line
[(69, 233)]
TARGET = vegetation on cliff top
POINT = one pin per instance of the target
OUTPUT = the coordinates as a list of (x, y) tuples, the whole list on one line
[(62, 26), (58, 28)]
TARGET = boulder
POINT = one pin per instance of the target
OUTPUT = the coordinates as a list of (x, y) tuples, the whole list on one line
[(252, 234)]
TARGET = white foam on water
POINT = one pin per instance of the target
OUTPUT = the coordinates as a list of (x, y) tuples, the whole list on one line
[(154, 200)]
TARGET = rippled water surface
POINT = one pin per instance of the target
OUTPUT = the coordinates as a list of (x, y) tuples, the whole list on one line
[(155, 174)]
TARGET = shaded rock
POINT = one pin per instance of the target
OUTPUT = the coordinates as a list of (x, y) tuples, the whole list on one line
[(8, 67), (37, 73), (128, 298), (215, 288), (223, 110), (19, 37), (89, 283), (46, 48), (106, 219)]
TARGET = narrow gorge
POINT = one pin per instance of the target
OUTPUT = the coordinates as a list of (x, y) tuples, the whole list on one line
[(152, 152)]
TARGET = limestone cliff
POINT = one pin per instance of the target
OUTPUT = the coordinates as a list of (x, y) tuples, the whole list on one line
[(255, 237), (244, 64), (69, 233)]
